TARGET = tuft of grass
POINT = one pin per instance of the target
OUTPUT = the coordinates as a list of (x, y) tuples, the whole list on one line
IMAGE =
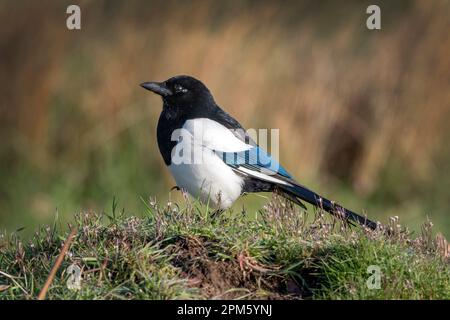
[(185, 252)]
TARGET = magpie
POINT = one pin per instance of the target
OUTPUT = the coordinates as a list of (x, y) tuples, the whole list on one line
[(214, 159)]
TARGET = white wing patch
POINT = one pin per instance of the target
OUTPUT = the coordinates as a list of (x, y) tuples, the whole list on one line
[(262, 176), (214, 136)]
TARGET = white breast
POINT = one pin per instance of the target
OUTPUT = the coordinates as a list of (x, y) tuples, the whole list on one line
[(199, 170), (212, 181)]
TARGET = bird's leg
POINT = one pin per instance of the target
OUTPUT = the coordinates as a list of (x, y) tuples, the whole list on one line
[(216, 213)]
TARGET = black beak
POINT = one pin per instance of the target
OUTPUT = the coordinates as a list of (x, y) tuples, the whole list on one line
[(157, 87)]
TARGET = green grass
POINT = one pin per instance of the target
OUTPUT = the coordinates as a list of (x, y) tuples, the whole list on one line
[(180, 251)]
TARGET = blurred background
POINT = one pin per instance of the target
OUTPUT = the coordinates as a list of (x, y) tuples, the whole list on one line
[(364, 116)]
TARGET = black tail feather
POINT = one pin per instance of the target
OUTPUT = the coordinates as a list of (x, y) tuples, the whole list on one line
[(335, 209)]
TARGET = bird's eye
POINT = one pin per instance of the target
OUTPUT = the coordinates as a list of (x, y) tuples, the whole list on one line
[(180, 89)]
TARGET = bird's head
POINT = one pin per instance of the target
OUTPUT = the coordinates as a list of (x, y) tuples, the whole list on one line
[(181, 92)]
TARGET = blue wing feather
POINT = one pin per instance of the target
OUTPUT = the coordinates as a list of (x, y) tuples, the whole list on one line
[(256, 159)]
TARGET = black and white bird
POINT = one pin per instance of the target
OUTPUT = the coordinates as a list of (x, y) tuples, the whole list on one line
[(212, 157)]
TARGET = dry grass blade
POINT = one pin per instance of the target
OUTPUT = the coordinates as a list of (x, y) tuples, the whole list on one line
[(4, 287), (443, 246), (14, 281), (57, 264)]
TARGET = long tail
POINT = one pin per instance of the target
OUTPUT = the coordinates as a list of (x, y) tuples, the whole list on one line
[(298, 192)]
